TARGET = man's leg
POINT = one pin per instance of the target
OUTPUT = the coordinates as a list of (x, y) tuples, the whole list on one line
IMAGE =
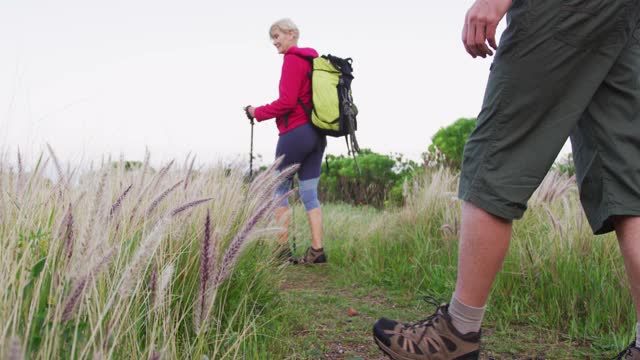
[(628, 232), (605, 151), (484, 241)]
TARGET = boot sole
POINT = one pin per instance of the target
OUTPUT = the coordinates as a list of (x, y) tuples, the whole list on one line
[(475, 355)]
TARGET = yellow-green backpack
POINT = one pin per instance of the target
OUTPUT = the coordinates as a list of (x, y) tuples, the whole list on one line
[(333, 112)]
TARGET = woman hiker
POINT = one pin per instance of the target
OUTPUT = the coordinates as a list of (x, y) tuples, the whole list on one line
[(298, 141)]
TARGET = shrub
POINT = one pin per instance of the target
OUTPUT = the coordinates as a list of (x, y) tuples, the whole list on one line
[(378, 181), (448, 144)]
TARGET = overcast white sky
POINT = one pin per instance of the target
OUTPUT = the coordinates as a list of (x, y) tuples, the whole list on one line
[(111, 77)]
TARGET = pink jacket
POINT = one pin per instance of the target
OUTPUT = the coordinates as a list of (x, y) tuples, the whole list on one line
[(295, 83)]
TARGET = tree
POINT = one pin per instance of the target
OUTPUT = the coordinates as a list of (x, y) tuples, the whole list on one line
[(447, 145)]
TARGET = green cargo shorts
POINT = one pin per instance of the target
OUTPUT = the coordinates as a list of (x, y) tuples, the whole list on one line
[(564, 68)]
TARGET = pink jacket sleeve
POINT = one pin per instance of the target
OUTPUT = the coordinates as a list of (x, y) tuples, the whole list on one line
[(293, 73)]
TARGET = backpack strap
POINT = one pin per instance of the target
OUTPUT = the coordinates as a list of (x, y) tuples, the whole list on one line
[(305, 108), (306, 111)]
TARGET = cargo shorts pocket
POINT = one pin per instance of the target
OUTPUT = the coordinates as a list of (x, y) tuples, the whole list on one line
[(636, 34), (589, 24)]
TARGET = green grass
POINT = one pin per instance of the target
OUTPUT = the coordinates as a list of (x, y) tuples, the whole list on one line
[(318, 325), (562, 293), (559, 282)]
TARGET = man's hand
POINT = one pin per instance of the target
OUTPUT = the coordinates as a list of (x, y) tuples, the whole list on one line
[(480, 25)]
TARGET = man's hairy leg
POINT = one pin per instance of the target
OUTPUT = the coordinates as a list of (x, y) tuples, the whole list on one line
[(484, 241), (628, 232)]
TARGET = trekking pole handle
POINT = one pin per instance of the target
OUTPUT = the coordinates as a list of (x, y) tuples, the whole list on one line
[(246, 111)]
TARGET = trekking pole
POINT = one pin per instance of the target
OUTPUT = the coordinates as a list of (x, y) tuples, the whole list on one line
[(246, 110), (292, 222)]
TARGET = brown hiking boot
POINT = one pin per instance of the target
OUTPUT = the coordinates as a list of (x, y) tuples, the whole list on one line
[(313, 256), (630, 353), (433, 338)]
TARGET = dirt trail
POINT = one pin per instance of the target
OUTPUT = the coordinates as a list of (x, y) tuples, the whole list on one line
[(335, 322), (328, 328)]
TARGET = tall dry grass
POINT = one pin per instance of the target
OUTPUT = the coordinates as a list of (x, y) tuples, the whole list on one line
[(115, 263)]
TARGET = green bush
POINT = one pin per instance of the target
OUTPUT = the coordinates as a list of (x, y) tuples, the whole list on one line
[(378, 182), (448, 144)]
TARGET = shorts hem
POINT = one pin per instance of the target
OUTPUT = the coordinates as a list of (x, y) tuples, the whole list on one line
[(604, 223), (491, 208)]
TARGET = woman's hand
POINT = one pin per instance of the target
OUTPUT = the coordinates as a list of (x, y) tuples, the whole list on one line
[(250, 111), (480, 25)]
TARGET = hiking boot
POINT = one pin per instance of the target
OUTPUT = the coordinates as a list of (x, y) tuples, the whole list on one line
[(630, 353), (313, 256), (433, 338)]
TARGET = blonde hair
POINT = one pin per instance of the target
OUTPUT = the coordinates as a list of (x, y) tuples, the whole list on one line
[(284, 25)]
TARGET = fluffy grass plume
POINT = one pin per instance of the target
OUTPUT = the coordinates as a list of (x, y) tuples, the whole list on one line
[(75, 280)]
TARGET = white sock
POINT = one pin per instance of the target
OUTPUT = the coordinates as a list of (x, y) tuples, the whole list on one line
[(465, 318), (638, 334)]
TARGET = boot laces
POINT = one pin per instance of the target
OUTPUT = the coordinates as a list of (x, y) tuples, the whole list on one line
[(426, 323)]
